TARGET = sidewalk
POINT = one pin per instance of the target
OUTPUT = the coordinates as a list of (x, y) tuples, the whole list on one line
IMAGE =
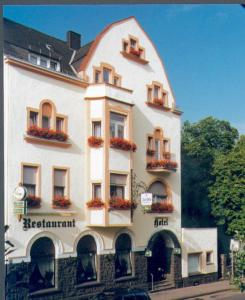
[(193, 291)]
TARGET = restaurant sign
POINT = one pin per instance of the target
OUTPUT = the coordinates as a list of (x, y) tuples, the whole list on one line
[(28, 223)]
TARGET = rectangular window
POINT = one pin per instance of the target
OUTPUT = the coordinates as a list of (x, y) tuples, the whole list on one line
[(116, 80), (209, 257), (106, 75), (132, 43), (97, 77), (166, 146), (97, 190), (117, 124), (53, 65), (33, 58), (157, 150), (33, 118), (59, 124), (43, 62), (45, 122), (96, 128), (150, 142), (117, 185), (30, 179), (125, 46), (156, 92), (60, 182), (149, 95), (194, 263)]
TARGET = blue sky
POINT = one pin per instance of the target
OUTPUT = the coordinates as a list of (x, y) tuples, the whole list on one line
[(202, 46)]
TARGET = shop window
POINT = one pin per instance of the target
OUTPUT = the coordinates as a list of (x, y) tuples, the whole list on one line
[(86, 260), (209, 257), (96, 190), (123, 264), (33, 118), (194, 261), (158, 191), (30, 179), (96, 128), (117, 185), (43, 265), (60, 183), (117, 124)]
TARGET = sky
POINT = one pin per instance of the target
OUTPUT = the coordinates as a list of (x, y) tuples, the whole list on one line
[(202, 47)]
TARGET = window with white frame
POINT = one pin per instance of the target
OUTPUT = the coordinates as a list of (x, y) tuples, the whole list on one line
[(117, 125), (117, 185), (194, 263), (30, 179), (60, 179), (96, 128), (44, 62), (97, 190)]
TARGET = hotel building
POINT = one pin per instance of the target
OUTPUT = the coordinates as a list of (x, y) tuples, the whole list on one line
[(88, 129)]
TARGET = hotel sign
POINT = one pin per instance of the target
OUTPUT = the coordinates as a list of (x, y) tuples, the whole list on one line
[(146, 199), (161, 221), (28, 223)]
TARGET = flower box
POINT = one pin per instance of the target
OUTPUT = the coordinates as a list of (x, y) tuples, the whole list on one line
[(166, 164), (150, 152), (164, 207), (46, 133), (95, 203), (33, 201), (135, 52), (61, 202), (95, 141), (122, 144), (158, 101), (118, 203)]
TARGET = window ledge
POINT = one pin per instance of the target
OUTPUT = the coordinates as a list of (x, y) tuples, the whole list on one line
[(88, 284), (55, 143), (134, 58), (45, 291), (160, 107), (125, 278), (195, 274)]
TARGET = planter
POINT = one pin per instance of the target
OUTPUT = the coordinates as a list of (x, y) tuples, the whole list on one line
[(122, 144), (158, 101), (46, 133), (33, 201), (117, 203), (135, 52), (61, 202), (95, 203), (95, 141), (165, 164), (161, 208)]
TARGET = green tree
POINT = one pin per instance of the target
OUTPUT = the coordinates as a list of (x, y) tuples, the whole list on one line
[(201, 143), (227, 192)]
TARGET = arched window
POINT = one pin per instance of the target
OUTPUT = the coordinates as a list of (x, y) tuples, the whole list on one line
[(43, 265), (158, 190), (46, 115), (123, 265), (86, 259)]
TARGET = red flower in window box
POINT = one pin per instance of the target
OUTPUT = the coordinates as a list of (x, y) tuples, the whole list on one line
[(164, 207), (166, 164), (158, 101), (33, 201), (134, 51), (123, 144), (150, 152), (121, 204), (61, 202), (47, 133), (95, 141), (95, 203)]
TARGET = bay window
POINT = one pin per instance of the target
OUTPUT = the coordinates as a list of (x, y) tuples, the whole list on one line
[(117, 185)]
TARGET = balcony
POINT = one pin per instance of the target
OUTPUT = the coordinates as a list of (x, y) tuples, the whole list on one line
[(161, 166), (109, 91)]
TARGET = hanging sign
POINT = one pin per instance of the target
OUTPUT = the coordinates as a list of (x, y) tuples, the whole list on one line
[(19, 207), (146, 199)]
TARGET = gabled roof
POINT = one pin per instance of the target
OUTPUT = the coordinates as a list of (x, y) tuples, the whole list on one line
[(20, 40)]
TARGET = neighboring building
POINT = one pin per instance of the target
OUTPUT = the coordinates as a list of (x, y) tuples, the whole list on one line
[(73, 119)]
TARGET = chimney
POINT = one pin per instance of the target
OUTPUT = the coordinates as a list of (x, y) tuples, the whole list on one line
[(73, 40)]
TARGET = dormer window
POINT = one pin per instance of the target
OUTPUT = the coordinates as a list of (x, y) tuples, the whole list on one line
[(157, 96), (106, 74), (132, 49), (44, 62)]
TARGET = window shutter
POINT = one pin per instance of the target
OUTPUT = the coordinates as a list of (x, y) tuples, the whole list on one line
[(118, 179), (29, 175), (59, 177)]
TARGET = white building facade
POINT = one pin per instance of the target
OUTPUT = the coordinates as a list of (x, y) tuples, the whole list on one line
[(88, 129)]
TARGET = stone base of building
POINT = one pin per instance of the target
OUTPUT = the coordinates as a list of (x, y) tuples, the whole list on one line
[(199, 279), (66, 286)]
